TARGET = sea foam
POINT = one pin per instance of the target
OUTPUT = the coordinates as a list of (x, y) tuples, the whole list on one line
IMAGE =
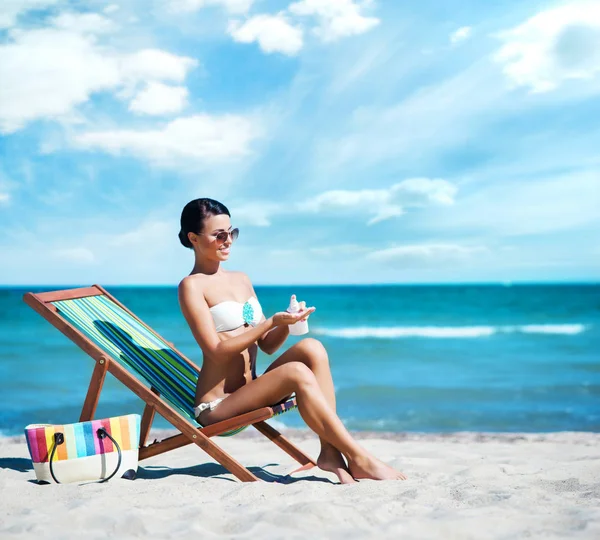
[(392, 332)]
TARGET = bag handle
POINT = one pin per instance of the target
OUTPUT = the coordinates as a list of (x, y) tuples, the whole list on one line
[(59, 438)]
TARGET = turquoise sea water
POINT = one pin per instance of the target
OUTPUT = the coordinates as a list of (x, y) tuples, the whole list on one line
[(404, 358)]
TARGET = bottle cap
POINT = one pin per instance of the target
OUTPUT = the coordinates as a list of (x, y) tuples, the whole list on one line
[(294, 306)]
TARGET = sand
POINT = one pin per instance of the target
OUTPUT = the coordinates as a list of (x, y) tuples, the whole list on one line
[(459, 486)]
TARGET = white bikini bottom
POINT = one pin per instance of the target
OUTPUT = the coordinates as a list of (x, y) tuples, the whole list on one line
[(212, 405)]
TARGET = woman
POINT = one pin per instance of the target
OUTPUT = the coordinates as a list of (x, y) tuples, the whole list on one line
[(227, 321)]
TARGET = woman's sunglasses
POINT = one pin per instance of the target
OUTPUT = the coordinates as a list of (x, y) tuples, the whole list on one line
[(222, 236)]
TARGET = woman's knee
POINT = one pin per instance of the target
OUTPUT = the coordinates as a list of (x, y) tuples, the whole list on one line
[(298, 372), (313, 351)]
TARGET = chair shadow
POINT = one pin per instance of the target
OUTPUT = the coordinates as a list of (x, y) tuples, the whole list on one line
[(214, 470), (287, 479), (16, 464), (203, 470)]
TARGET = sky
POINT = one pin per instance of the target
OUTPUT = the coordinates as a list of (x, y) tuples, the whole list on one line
[(353, 141)]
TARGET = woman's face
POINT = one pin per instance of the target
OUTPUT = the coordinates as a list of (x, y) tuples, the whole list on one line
[(207, 242)]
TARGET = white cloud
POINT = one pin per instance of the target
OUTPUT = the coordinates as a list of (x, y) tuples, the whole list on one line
[(11, 9), (201, 138), (346, 199), (158, 98), (272, 32), (76, 255), (161, 233), (84, 23), (156, 65), (330, 251), (553, 46), (385, 203), (256, 214), (47, 73), (464, 32), (111, 8), (427, 119), (4, 198), (386, 212), (337, 18), (381, 204), (422, 191), (425, 253), (338, 250), (524, 207), (112, 249), (231, 6)]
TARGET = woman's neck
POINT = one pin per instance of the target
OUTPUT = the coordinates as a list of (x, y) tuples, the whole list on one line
[(210, 268)]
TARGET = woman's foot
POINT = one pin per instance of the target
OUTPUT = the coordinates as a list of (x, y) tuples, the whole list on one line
[(370, 467), (331, 460)]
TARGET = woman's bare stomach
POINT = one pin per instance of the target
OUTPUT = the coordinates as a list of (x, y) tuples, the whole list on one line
[(218, 378)]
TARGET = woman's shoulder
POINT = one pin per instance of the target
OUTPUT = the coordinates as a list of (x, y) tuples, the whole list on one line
[(194, 282)]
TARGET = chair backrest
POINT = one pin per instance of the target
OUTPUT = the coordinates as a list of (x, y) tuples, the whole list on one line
[(137, 348)]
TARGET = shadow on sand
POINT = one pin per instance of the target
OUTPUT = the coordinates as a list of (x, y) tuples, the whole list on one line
[(16, 464), (214, 470)]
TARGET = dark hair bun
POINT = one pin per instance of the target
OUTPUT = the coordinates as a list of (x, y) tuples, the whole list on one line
[(183, 238), (193, 215)]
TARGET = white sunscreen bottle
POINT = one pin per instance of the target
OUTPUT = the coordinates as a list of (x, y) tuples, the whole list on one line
[(301, 327)]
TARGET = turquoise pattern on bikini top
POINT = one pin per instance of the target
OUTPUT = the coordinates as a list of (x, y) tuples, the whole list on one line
[(248, 313)]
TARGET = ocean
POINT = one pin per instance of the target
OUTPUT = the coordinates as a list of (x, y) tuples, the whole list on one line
[(492, 358)]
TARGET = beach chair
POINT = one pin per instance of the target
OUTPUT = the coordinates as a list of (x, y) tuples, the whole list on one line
[(154, 370)]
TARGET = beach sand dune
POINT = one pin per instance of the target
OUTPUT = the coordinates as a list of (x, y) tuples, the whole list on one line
[(460, 486)]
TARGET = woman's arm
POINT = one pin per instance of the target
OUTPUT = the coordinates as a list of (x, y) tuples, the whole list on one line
[(197, 314), (273, 339)]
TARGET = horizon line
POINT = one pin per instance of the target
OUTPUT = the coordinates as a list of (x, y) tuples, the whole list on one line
[(506, 283)]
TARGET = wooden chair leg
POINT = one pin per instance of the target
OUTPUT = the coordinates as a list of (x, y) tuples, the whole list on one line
[(287, 446), (146, 424), (93, 394), (147, 419)]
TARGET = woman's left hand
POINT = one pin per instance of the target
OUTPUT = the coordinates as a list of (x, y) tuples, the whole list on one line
[(285, 318)]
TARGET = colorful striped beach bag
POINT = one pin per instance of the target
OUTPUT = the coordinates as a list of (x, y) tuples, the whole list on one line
[(87, 451)]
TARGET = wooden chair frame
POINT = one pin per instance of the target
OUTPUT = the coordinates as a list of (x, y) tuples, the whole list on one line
[(189, 432)]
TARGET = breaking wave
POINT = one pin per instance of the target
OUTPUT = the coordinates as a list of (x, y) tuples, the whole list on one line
[(393, 332)]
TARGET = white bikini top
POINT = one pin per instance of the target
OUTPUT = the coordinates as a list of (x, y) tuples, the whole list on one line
[(230, 314)]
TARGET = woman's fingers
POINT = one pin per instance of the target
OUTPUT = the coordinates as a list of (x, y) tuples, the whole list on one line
[(301, 315), (306, 313)]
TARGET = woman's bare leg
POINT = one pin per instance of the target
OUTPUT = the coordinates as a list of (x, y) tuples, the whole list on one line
[(311, 352), (314, 409)]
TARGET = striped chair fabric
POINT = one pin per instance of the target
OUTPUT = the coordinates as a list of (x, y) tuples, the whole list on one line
[(140, 350)]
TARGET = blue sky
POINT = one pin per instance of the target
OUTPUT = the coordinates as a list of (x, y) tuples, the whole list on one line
[(353, 141)]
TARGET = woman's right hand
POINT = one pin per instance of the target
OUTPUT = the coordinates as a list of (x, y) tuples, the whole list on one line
[(283, 318)]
